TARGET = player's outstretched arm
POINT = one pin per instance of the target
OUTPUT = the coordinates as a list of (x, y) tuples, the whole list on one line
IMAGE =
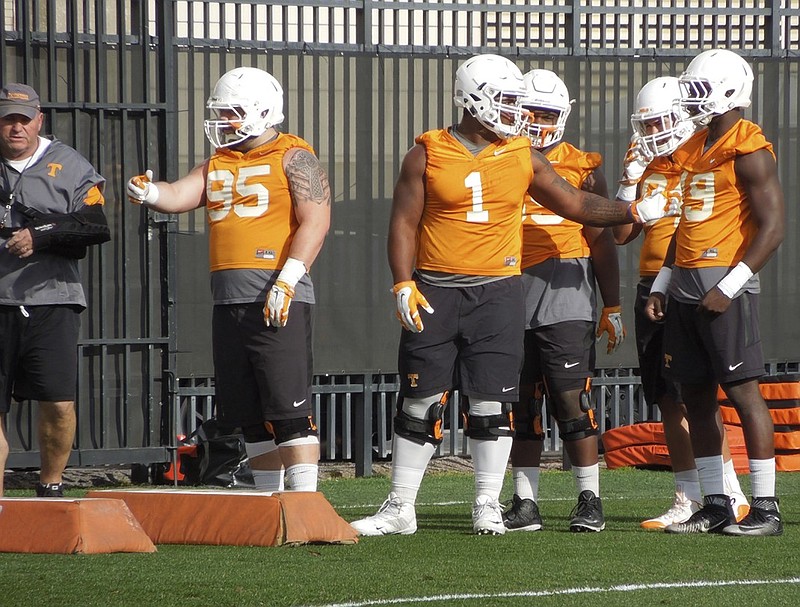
[(185, 194), (553, 192)]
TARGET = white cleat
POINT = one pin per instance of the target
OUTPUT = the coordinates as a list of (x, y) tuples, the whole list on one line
[(393, 518), (682, 509), (487, 516)]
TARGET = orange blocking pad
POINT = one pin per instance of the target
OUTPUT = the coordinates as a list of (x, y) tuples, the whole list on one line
[(235, 518), (638, 455), (644, 445), (68, 526)]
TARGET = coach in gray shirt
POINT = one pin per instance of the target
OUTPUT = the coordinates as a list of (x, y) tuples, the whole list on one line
[(51, 209)]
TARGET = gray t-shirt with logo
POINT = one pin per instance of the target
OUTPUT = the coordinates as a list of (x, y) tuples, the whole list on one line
[(55, 180), (250, 285)]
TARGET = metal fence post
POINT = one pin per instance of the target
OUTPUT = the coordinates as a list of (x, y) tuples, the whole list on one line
[(363, 429)]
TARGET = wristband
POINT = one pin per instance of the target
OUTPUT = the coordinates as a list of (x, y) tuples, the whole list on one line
[(627, 193), (735, 279), (661, 282), (292, 271)]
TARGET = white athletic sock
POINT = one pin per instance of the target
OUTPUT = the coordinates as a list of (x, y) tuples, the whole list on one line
[(709, 469), (587, 477), (268, 480), (688, 483), (302, 477), (409, 462), (489, 460), (762, 477), (526, 482), (731, 480)]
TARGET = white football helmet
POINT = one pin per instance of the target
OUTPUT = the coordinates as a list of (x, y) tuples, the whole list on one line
[(659, 119), (714, 82), (546, 91), (489, 87), (254, 98)]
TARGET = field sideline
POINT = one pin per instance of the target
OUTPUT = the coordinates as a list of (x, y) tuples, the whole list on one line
[(443, 563)]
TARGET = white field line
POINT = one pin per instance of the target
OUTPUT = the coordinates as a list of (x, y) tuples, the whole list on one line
[(566, 591), (464, 502)]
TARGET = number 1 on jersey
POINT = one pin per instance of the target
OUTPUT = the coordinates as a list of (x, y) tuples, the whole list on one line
[(477, 214)]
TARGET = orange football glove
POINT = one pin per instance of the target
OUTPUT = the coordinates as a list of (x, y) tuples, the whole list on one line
[(611, 323), (409, 300)]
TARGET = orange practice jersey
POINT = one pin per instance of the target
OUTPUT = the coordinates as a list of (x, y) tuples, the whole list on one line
[(546, 234), (662, 174), (715, 227), (470, 223), (249, 206)]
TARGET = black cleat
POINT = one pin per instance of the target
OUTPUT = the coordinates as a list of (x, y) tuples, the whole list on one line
[(49, 489), (587, 515), (764, 518), (713, 517), (522, 515)]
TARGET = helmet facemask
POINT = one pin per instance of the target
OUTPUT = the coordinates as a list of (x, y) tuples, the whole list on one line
[(662, 132), (502, 114), (231, 125), (541, 134), (696, 99)]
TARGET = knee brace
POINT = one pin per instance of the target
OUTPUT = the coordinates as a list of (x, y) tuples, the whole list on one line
[(288, 429), (585, 425), (488, 427), (529, 423), (425, 429)]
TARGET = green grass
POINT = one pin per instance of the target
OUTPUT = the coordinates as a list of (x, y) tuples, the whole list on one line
[(443, 558)]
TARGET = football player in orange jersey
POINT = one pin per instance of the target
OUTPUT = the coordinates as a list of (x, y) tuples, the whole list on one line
[(560, 261), (454, 247), (660, 126), (267, 201), (732, 223)]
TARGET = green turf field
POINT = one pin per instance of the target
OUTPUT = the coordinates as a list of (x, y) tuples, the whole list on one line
[(443, 563)]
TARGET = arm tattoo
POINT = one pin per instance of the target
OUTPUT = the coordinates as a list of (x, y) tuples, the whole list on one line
[(603, 212), (307, 179)]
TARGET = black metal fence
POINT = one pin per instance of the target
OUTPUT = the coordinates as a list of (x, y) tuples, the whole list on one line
[(125, 82)]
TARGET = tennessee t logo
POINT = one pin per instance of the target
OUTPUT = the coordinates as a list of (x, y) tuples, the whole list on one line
[(667, 360), (412, 378), (54, 168)]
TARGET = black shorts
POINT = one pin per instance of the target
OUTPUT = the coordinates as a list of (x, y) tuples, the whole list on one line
[(472, 341), (38, 353), (700, 348), (262, 373), (562, 354), (650, 348)]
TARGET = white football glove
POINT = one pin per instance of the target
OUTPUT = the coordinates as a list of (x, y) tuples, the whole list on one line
[(276, 309), (611, 322), (654, 206), (142, 190), (409, 300), (279, 298), (636, 161)]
